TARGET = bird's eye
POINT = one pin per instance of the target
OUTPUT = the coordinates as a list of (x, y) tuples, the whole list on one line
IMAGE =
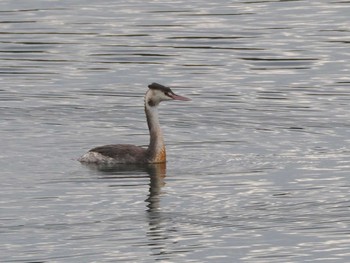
[(167, 94)]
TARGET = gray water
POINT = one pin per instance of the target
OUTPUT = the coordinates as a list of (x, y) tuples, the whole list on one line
[(258, 163)]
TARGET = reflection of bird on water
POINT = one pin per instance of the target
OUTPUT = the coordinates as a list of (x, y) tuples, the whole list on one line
[(128, 154), (157, 174), (155, 171)]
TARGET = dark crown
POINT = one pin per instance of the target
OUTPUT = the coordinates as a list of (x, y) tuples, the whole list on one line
[(156, 86)]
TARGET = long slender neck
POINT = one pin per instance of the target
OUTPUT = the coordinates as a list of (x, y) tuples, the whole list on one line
[(156, 149)]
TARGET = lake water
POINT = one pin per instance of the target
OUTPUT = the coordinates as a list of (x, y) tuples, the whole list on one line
[(258, 162)]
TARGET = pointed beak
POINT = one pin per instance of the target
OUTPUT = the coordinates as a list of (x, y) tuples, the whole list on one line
[(178, 97)]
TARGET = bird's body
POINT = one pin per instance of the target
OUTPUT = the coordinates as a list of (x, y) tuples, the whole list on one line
[(132, 154)]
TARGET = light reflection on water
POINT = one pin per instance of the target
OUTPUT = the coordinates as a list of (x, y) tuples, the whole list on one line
[(257, 162)]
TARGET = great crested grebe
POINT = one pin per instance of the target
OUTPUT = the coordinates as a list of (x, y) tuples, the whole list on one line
[(132, 154)]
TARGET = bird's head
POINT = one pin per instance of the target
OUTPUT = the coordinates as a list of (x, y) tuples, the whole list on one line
[(158, 93)]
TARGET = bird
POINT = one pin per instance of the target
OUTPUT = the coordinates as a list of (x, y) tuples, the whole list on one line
[(132, 154)]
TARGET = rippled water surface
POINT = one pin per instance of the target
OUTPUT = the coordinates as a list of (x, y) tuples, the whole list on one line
[(258, 163)]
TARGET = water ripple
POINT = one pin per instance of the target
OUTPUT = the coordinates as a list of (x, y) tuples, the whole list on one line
[(258, 162)]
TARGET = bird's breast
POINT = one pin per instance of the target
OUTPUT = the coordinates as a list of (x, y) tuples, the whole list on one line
[(160, 156)]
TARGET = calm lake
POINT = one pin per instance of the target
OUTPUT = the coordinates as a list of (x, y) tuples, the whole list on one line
[(258, 163)]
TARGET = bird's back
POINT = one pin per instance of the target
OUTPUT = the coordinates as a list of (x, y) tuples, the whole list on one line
[(115, 153)]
